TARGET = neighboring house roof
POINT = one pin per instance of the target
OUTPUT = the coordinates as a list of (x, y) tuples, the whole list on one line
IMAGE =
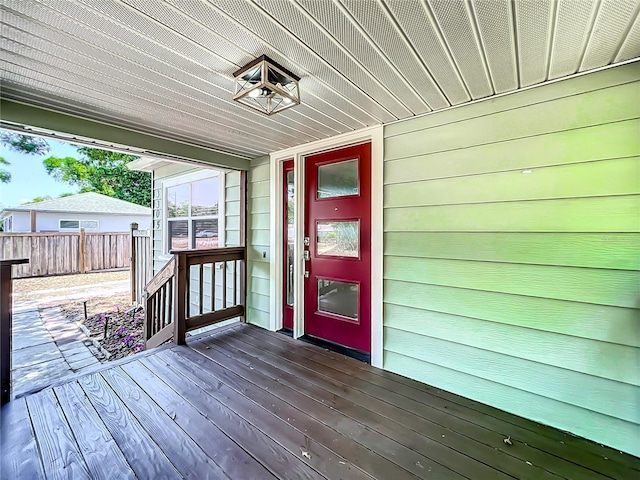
[(89, 202)]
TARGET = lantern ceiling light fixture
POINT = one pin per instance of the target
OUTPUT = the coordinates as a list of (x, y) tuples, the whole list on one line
[(265, 86)]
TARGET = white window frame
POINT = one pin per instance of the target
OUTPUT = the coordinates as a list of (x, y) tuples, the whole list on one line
[(373, 135), (79, 220), (189, 178), (9, 219)]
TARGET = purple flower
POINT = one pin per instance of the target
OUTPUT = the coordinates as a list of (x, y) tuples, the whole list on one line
[(139, 347), (121, 331)]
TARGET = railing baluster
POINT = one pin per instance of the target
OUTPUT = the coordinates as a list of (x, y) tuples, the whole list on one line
[(213, 287), (235, 282), (170, 301), (201, 288), (224, 285)]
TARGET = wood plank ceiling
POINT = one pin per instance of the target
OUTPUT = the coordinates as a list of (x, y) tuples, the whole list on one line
[(165, 67)]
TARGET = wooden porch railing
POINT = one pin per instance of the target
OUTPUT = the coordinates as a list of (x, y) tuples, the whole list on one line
[(186, 295), (6, 288)]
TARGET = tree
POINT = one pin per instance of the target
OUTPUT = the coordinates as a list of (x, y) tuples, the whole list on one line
[(38, 199), (103, 172), (25, 143), (5, 176)]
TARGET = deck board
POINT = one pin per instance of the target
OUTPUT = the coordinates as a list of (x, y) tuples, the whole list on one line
[(550, 444), (20, 455), (61, 455), (235, 461), (244, 403), (462, 435), (96, 444), (366, 412), (142, 453), (415, 431), (266, 449)]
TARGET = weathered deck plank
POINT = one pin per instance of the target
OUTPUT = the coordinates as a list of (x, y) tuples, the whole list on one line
[(142, 453), (549, 446), (243, 403), (416, 432), (61, 456), (235, 461), (266, 449), (96, 443), (352, 452), (180, 449), (455, 433), (323, 411), (20, 455)]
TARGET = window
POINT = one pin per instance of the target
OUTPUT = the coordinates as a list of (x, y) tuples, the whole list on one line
[(76, 225), (192, 213), (8, 224)]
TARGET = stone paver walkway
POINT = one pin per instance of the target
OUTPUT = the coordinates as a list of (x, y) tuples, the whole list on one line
[(46, 347)]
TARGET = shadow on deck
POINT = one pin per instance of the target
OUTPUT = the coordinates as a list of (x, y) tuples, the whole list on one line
[(244, 403)]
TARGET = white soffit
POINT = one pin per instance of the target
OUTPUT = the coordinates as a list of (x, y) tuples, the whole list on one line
[(165, 67)]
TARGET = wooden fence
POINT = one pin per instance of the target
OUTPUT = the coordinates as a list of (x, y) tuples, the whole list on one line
[(66, 253)]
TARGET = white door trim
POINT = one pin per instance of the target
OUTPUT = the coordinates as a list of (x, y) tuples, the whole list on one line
[(370, 134)]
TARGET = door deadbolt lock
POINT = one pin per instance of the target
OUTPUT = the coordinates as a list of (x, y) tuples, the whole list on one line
[(306, 274), (307, 241), (307, 256)]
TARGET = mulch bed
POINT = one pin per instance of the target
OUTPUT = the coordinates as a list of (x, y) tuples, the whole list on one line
[(124, 331)]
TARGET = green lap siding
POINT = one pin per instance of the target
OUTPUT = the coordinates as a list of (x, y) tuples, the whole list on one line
[(512, 253), (258, 251)]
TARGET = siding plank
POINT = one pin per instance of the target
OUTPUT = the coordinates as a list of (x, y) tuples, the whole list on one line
[(587, 109), (618, 288), (573, 363), (607, 214), (600, 142), (564, 181), (614, 251), (598, 322)]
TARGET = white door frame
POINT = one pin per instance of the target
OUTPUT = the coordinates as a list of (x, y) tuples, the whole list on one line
[(374, 135)]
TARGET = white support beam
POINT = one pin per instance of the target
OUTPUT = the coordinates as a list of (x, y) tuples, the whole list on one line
[(17, 115)]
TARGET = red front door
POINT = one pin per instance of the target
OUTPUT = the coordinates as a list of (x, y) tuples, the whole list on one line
[(338, 226)]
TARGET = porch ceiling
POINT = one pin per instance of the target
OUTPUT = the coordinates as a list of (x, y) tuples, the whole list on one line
[(165, 68)]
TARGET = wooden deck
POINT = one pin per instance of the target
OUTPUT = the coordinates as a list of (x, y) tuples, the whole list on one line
[(246, 404)]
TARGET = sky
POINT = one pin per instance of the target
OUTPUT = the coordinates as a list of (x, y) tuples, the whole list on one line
[(29, 179)]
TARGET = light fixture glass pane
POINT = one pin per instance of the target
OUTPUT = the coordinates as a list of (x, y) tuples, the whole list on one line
[(178, 231), (206, 233), (204, 197), (338, 298), (338, 239), (178, 201), (338, 179)]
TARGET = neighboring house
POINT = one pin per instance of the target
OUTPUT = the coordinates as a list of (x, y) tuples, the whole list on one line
[(92, 211), (476, 164)]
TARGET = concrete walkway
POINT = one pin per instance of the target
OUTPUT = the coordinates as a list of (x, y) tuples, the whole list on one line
[(46, 347)]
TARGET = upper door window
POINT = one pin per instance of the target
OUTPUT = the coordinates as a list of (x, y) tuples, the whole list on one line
[(338, 179), (192, 214)]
